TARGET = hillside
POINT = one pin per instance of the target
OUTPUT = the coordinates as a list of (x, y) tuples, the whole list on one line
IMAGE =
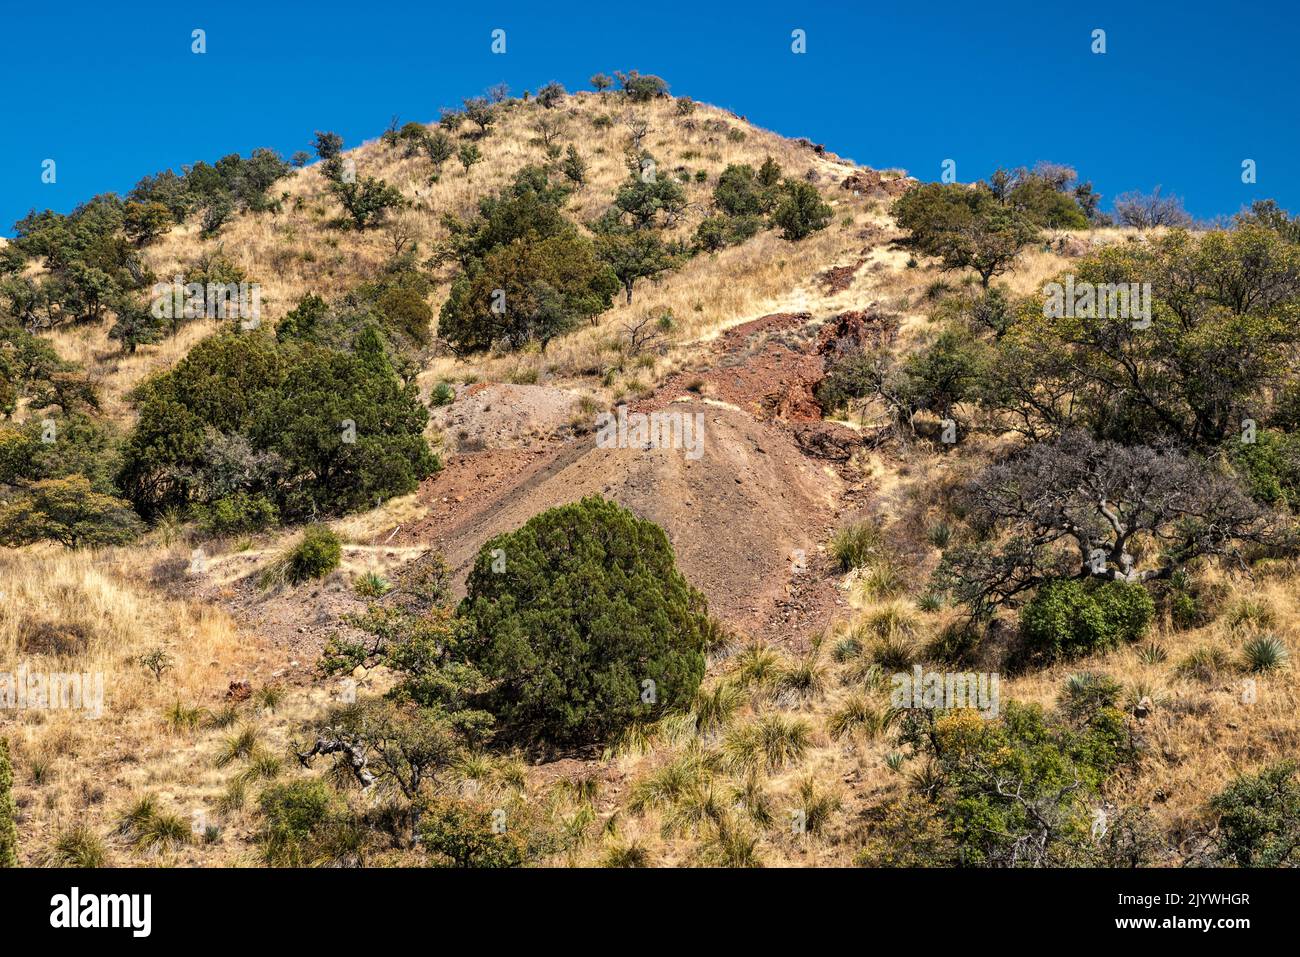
[(794, 719)]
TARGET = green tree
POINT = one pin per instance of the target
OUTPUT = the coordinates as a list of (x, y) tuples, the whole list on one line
[(348, 431), (469, 154), (526, 291), (1015, 791), (641, 88), (965, 227), (460, 834), (479, 111), (551, 94), (648, 199), (145, 222), (632, 254), (1206, 346), (368, 201), (136, 326), (69, 511), (440, 149), (801, 210), (588, 626), (322, 430)]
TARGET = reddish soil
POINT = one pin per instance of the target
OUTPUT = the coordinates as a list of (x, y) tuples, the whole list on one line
[(766, 367), (747, 519), (707, 506), (838, 278)]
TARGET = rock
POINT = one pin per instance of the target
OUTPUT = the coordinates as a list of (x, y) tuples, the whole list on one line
[(870, 182)]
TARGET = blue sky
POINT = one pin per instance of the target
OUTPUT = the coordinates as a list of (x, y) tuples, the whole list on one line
[(1184, 93)]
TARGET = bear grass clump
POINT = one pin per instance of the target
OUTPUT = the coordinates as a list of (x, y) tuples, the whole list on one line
[(1070, 618), (583, 624), (317, 553)]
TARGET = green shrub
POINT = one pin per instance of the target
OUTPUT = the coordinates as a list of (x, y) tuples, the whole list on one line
[(1270, 467), (306, 427), (854, 375), (458, 834), (1259, 818), (303, 826), (587, 609), (239, 513), (801, 212), (316, 554), (8, 828), (1068, 618)]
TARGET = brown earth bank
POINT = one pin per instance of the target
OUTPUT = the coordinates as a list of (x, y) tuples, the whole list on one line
[(748, 517)]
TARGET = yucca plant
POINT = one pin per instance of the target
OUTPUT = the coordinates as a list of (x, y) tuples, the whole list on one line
[(224, 717), (846, 649), (927, 780), (895, 760), (371, 585), (269, 697), (939, 534), (1264, 653), (931, 601), (237, 747), (1251, 611), (1152, 653)]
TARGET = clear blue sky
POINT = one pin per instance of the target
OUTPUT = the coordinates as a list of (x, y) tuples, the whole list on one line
[(1186, 91)]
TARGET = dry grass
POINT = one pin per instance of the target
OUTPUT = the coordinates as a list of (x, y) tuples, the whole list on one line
[(90, 613)]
